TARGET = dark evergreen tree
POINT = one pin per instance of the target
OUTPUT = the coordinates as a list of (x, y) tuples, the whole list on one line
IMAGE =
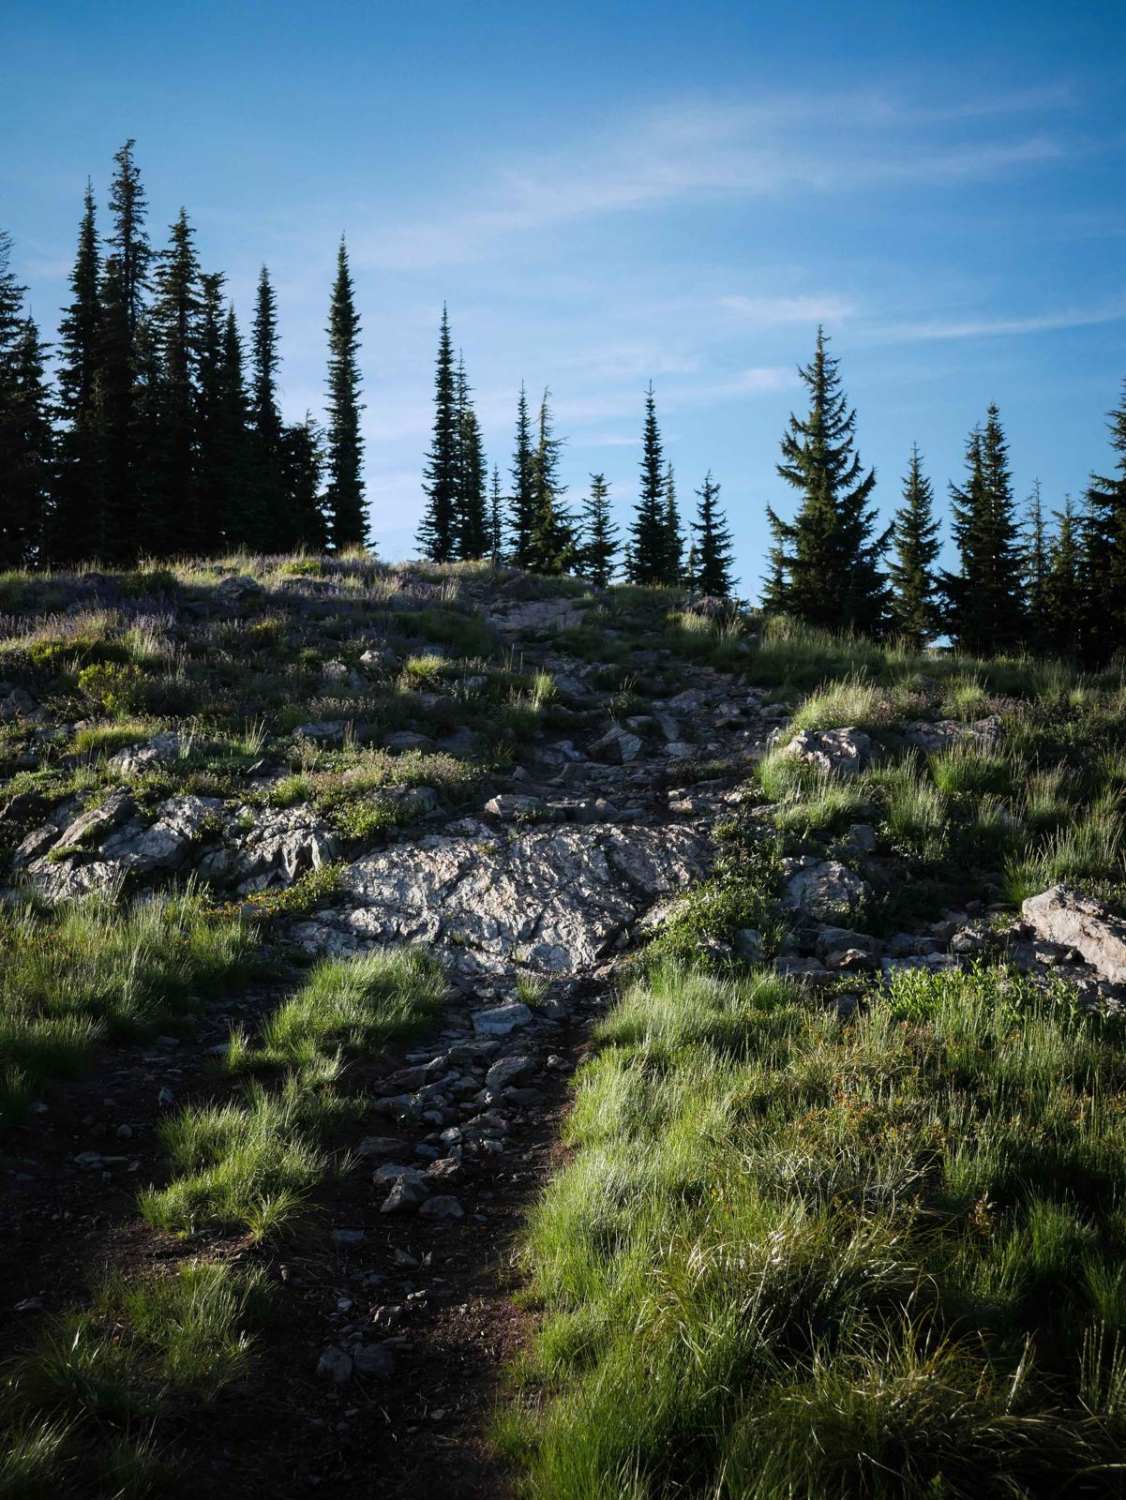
[(1105, 549), (599, 534), (26, 445), (171, 523), (76, 520), (674, 536), (523, 516), (551, 546), (437, 536), (302, 458), (647, 553), (710, 566), (985, 600), (829, 556), (496, 520), (124, 365), (914, 607), (1064, 601), (348, 525), (233, 443), (472, 517), (266, 524), (1035, 562)]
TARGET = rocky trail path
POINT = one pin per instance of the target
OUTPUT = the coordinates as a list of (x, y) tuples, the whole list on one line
[(395, 1315)]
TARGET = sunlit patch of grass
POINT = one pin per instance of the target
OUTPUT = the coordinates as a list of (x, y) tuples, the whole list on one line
[(97, 740), (966, 771), (1089, 848), (850, 702)]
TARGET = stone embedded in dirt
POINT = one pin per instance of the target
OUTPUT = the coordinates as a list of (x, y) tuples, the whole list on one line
[(36, 844), (406, 1193), (860, 838), (442, 1207), (406, 739), (278, 847), (92, 826), (17, 703), (825, 889), (508, 1070), (836, 752), (238, 589), (501, 1019), (945, 733), (322, 732), (852, 961), (807, 969), (617, 746), (159, 749), (335, 1365), (444, 1168), (1065, 916), (347, 1237), (833, 939), (374, 1360), (379, 1145), (510, 806), (394, 1171)]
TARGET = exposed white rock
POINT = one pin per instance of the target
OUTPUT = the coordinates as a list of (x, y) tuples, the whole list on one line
[(1062, 915), (837, 752)]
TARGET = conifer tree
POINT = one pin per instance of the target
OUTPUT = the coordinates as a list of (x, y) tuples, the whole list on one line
[(1064, 590), (1035, 563), (233, 438), (125, 365), (26, 446), (914, 607), (829, 556), (472, 519), (437, 532), (348, 523), (171, 523), (211, 455), (985, 613), (496, 520), (522, 500), (647, 554), (1105, 548), (674, 536), (551, 545), (266, 524), (599, 534), (710, 565), (302, 458), (75, 528)]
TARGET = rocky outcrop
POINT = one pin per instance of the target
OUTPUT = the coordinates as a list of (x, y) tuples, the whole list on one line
[(1063, 916), (946, 733), (835, 752), (824, 889), (275, 849), (549, 900)]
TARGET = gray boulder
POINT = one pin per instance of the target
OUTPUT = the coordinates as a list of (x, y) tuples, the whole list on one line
[(825, 889), (160, 749), (279, 846), (1062, 915)]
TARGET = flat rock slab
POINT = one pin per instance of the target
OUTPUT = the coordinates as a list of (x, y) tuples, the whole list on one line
[(1062, 915), (550, 899)]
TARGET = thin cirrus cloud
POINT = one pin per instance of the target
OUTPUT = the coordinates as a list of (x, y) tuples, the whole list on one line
[(980, 328), (662, 158)]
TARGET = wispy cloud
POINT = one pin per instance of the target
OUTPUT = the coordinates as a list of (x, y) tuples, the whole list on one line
[(978, 328), (697, 150), (770, 312)]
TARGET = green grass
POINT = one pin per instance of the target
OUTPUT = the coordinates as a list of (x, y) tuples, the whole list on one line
[(79, 1405), (249, 1164), (87, 970), (791, 1258)]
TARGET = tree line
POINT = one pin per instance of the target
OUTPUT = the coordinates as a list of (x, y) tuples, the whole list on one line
[(1023, 582), (162, 435)]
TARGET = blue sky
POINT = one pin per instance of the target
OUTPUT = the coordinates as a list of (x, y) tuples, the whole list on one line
[(608, 193)]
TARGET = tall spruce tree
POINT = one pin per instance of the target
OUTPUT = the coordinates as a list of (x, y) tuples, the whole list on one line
[(76, 521), (266, 524), (128, 370), (1064, 601), (302, 460), (985, 599), (171, 522), (914, 606), (438, 530), (828, 557), (522, 502), (472, 518), (1035, 560), (599, 534), (1105, 548), (212, 456), (674, 536), (347, 513), (26, 447), (551, 546), (233, 444), (496, 520), (710, 569), (647, 553)]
